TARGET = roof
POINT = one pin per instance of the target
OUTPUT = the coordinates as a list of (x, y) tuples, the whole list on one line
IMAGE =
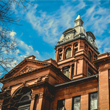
[(37, 70), (27, 59), (78, 17), (76, 81)]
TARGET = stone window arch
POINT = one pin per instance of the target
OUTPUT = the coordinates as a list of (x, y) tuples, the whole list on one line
[(68, 53)]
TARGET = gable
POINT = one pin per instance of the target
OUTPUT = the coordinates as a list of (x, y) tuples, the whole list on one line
[(25, 66), (25, 70)]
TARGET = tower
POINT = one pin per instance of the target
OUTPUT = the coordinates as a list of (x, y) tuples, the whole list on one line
[(78, 79), (76, 50)]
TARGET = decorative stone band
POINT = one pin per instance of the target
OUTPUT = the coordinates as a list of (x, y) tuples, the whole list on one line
[(25, 70)]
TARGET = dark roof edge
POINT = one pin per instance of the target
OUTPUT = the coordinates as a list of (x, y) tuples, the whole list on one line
[(77, 80)]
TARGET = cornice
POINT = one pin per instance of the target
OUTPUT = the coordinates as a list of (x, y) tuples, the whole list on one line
[(76, 81), (99, 61), (77, 37), (23, 62), (36, 70)]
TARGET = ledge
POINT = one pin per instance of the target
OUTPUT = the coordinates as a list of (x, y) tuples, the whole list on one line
[(76, 81)]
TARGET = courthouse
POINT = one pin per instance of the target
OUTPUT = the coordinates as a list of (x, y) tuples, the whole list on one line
[(78, 78)]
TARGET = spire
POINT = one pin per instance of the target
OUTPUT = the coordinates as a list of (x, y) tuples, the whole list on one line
[(78, 21)]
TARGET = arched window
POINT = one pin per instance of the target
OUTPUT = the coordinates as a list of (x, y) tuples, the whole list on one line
[(20, 101), (24, 98), (68, 53), (24, 102), (89, 55)]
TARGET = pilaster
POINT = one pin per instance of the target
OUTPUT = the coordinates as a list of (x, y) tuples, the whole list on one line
[(63, 54), (32, 101), (70, 72), (1, 103), (103, 90), (56, 58), (84, 102), (72, 50)]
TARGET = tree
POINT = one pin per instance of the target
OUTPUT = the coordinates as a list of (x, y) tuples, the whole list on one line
[(8, 44)]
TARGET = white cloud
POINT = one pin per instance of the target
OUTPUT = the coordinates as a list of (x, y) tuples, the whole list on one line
[(97, 18), (12, 34), (17, 51), (24, 50), (37, 52), (0, 28), (14, 63), (48, 25), (103, 45), (27, 50)]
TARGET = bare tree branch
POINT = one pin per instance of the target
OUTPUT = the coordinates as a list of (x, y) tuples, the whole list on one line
[(7, 44)]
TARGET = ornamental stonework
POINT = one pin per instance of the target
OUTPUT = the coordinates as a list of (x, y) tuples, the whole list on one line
[(26, 70)]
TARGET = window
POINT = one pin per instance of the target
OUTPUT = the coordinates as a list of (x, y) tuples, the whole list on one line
[(61, 105), (95, 57), (89, 56), (60, 57), (66, 71), (24, 107), (86, 47), (24, 102), (68, 53), (60, 50), (76, 50), (93, 101), (76, 103), (76, 45), (25, 98), (20, 101), (72, 71), (90, 73)]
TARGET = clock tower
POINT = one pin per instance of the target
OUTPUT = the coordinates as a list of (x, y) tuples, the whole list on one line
[(76, 50)]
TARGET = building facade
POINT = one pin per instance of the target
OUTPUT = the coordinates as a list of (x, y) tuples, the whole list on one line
[(78, 78)]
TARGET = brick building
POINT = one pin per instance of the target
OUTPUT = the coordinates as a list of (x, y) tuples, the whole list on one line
[(78, 78)]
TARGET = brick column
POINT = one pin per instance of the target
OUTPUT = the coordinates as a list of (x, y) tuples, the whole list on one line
[(103, 90), (68, 104), (84, 102)]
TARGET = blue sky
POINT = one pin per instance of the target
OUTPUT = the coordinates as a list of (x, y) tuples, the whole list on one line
[(44, 22)]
